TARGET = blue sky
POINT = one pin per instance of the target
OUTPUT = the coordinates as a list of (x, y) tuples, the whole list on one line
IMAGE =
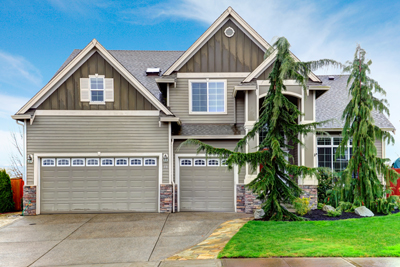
[(37, 36)]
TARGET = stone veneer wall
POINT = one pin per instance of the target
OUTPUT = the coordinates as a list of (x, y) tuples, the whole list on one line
[(29, 200), (310, 191), (166, 198), (246, 200)]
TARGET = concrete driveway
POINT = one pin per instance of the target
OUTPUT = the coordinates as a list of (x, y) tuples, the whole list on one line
[(83, 239)]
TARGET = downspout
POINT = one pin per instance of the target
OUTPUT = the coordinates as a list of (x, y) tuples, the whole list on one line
[(172, 180), (24, 148)]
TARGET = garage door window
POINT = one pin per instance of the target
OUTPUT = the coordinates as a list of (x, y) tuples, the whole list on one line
[(150, 162), (223, 162), (186, 162), (136, 162), (92, 162), (78, 162), (199, 162), (107, 162), (63, 162), (213, 162), (48, 162), (121, 162)]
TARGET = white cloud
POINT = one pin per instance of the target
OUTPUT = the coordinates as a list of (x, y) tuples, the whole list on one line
[(18, 72), (9, 105), (315, 30)]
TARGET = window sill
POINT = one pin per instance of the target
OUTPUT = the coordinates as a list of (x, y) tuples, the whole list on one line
[(97, 103), (207, 113)]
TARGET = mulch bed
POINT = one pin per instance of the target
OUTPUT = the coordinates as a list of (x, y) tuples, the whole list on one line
[(320, 215)]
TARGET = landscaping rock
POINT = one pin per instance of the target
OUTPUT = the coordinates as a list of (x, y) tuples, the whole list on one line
[(259, 214), (364, 212), (328, 208)]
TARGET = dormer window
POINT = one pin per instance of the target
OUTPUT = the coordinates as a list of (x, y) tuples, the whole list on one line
[(207, 97)]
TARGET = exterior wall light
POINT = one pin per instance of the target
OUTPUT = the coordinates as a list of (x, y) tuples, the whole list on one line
[(165, 157), (29, 158)]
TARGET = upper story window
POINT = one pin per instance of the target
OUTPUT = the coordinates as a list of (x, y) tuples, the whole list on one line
[(327, 147), (97, 89), (207, 97)]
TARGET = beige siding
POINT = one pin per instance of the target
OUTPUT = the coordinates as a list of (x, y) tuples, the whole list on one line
[(378, 145), (309, 106), (223, 54), (67, 96), (179, 103), (228, 144), (96, 134), (309, 144)]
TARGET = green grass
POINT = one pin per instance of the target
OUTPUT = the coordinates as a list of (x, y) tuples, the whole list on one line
[(366, 237)]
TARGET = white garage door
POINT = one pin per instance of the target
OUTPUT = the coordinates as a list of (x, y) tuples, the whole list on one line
[(73, 185), (205, 185)]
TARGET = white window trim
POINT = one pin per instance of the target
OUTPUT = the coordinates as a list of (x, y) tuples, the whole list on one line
[(130, 162), (52, 165), (104, 91), (185, 165), (208, 163), (332, 146), (116, 160), (145, 164), (106, 165), (207, 112), (72, 162), (69, 162), (205, 163), (98, 162)]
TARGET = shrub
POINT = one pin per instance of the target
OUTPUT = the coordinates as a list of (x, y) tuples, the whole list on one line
[(302, 205), (385, 206), (334, 213), (326, 181), (320, 206), (6, 195)]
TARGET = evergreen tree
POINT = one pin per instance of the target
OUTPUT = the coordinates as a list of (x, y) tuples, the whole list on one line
[(276, 182), (364, 165), (6, 194)]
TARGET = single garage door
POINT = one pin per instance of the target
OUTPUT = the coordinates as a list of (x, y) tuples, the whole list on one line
[(73, 185), (205, 185)]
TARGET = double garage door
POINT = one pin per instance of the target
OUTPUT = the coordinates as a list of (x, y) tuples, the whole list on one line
[(206, 185), (99, 185)]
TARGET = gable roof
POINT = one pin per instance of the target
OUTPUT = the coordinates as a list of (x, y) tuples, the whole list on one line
[(211, 30), (268, 62), (128, 70), (332, 104)]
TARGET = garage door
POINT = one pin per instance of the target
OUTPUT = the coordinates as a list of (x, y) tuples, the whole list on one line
[(205, 185), (98, 185)]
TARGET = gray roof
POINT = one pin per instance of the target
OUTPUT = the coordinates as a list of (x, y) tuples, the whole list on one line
[(211, 129), (330, 105), (136, 62)]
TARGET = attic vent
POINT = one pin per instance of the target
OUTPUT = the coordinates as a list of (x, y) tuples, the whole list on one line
[(331, 77), (229, 32), (153, 71)]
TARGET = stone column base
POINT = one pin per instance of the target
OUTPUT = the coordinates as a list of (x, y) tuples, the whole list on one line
[(29, 200), (246, 200), (310, 191), (166, 198)]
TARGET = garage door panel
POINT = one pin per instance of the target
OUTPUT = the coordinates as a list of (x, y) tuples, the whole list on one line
[(206, 188), (99, 189)]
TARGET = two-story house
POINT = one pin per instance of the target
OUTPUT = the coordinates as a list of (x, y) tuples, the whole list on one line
[(103, 134)]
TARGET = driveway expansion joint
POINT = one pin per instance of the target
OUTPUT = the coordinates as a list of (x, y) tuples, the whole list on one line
[(62, 240), (352, 262), (155, 245)]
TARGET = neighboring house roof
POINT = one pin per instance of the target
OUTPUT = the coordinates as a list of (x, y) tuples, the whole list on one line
[(211, 129), (136, 62), (330, 105)]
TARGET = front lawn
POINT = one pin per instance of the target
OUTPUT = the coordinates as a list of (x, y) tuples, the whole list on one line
[(366, 237)]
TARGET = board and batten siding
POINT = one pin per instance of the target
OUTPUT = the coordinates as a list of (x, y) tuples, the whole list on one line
[(226, 54), (228, 144), (179, 103), (62, 134), (67, 96)]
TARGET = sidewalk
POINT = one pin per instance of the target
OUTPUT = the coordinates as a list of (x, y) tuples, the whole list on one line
[(288, 262)]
